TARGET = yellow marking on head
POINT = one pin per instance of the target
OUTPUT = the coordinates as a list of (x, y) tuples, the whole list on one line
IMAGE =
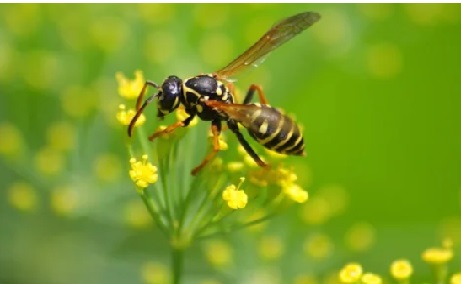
[(263, 127), (199, 108), (219, 90)]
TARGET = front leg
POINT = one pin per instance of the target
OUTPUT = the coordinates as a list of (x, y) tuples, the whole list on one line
[(216, 131), (172, 127)]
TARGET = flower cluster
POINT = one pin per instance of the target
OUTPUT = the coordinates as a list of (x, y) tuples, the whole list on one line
[(401, 270)]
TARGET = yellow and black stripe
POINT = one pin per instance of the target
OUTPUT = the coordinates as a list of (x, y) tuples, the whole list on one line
[(276, 131)]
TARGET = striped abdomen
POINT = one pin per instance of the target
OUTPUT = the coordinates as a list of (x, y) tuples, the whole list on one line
[(275, 131)]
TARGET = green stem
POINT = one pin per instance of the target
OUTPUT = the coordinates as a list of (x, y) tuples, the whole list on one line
[(177, 263)]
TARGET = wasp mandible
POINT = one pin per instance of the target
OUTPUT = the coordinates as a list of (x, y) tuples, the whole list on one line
[(211, 98)]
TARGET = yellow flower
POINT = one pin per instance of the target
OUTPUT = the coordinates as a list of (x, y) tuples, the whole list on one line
[(351, 273), (401, 269), (437, 255), (181, 115), (296, 193), (124, 116), (455, 278), (143, 172), (370, 278), (235, 166), (236, 199), (130, 89)]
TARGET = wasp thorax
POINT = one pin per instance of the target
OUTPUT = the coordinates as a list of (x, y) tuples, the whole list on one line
[(168, 97)]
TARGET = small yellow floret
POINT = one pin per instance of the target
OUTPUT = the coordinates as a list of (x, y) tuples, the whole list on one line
[(143, 172), (181, 115), (235, 166), (455, 278), (296, 193), (125, 116), (437, 255), (350, 273), (401, 269), (236, 199), (370, 278), (130, 89)]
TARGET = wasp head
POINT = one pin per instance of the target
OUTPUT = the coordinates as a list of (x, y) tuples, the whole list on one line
[(168, 96)]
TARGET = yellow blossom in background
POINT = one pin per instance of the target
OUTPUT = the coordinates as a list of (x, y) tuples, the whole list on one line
[(23, 196), (130, 89), (11, 139), (318, 246), (270, 247), (181, 115), (360, 237), (218, 253), (235, 166), (274, 154), (61, 136), (142, 172), (437, 255), (455, 278), (296, 193), (136, 215), (107, 167), (236, 199), (351, 273), (305, 279), (155, 273), (125, 116), (401, 269), (49, 161), (370, 278), (64, 200)]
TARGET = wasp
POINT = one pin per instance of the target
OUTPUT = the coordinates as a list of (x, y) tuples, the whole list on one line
[(211, 98)]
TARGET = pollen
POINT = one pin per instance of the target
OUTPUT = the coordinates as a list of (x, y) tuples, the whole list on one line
[(351, 273), (130, 89), (125, 116), (143, 172), (401, 269), (236, 199), (370, 278), (296, 193)]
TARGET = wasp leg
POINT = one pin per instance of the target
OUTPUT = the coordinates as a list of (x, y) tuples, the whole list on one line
[(172, 127), (215, 130), (143, 91), (251, 92), (234, 128)]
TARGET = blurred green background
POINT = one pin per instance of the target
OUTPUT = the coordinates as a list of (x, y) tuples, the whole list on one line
[(377, 88)]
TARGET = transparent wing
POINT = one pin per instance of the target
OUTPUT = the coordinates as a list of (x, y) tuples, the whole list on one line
[(242, 113), (275, 37)]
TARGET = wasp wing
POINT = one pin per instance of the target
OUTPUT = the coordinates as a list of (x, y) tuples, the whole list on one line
[(248, 114), (275, 37)]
